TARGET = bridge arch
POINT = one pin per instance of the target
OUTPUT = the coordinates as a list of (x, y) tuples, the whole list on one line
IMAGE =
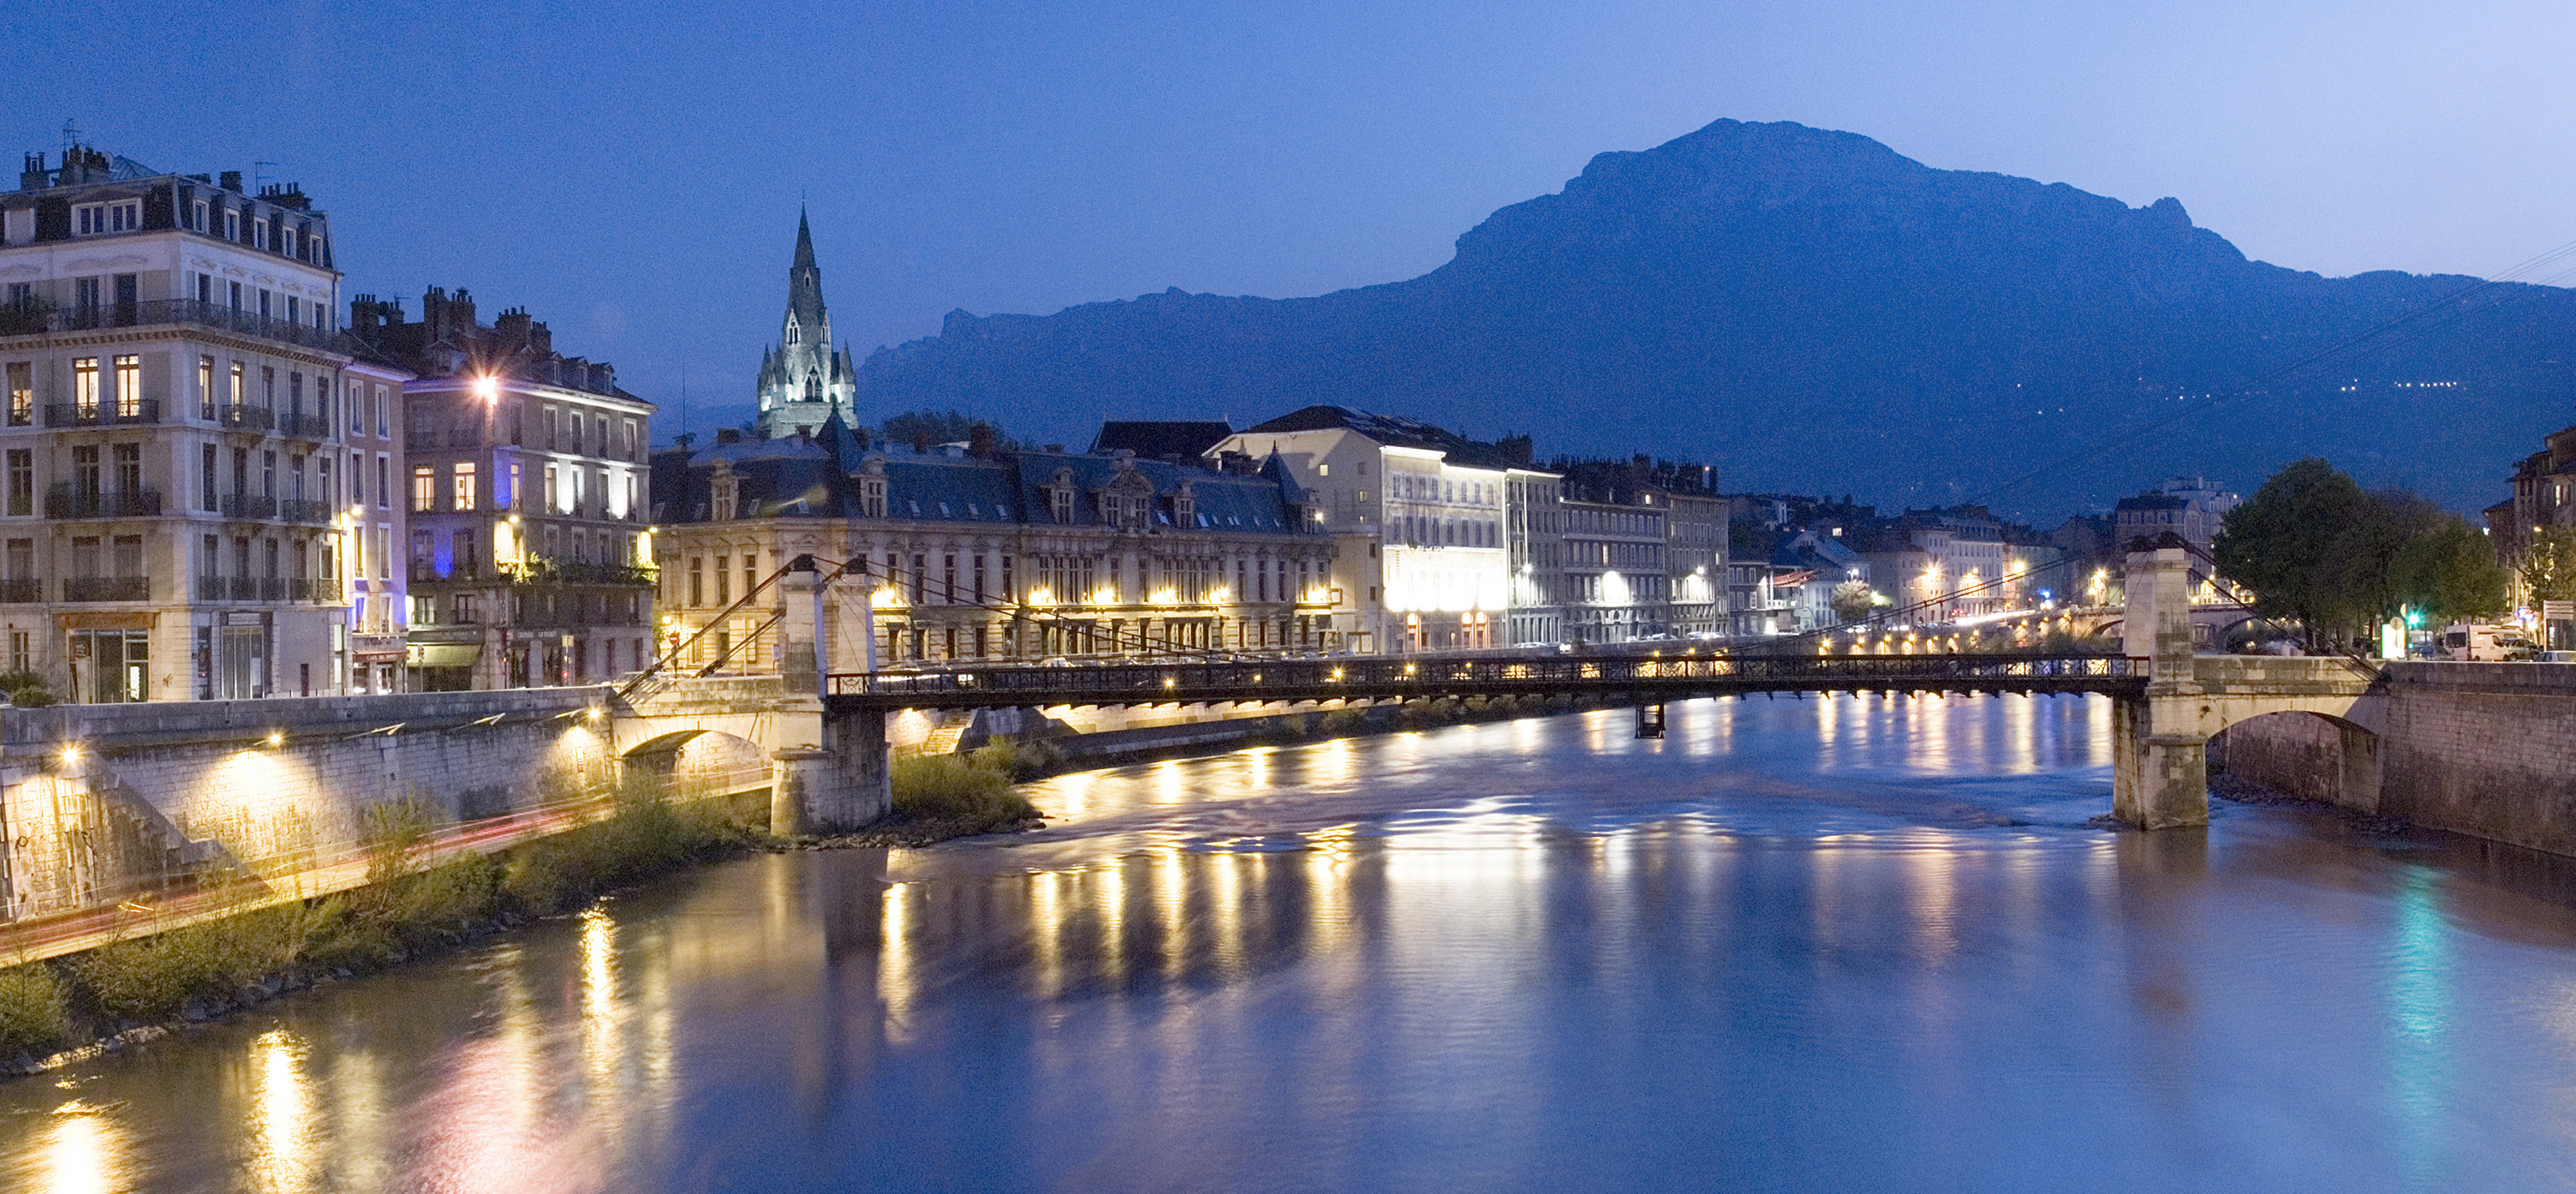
[(697, 758), (2303, 753)]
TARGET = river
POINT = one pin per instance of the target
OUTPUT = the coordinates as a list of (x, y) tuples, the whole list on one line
[(1856, 943)]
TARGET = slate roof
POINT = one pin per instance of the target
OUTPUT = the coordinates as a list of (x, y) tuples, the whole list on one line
[(1188, 439), (1391, 430), (819, 476)]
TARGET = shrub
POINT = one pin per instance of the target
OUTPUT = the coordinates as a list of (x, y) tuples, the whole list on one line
[(957, 788), (26, 688), (396, 833), (35, 1009)]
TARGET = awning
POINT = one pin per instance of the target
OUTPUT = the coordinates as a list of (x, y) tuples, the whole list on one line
[(445, 654)]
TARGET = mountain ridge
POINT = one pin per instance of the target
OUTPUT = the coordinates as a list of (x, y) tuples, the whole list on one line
[(1778, 299)]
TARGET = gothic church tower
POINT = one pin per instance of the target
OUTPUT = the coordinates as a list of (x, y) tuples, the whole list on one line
[(803, 379)]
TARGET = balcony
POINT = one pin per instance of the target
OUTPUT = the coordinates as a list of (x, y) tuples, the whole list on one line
[(325, 591), (558, 572), (21, 592), (300, 510), (107, 588), (246, 418), (32, 321), (296, 426), (243, 588), (65, 502), (243, 505), (104, 414)]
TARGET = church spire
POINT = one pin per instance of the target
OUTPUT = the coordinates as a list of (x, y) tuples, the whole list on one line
[(804, 245)]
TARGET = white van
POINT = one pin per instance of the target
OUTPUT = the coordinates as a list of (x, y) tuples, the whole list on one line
[(2467, 642)]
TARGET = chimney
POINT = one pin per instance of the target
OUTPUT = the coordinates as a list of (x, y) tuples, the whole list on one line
[(512, 329), (33, 176), (728, 435), (979, 441), (920, 442), (232, 181)]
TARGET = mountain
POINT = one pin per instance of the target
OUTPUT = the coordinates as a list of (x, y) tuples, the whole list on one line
[(1811, 311)]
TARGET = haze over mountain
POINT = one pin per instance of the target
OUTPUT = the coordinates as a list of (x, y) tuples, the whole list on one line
[(1811, 311)]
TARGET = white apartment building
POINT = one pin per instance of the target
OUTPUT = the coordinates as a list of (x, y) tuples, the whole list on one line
[(173, 525), (1417, 514)]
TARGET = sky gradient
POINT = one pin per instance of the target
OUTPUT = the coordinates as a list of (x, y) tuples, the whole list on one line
[(631, 173)]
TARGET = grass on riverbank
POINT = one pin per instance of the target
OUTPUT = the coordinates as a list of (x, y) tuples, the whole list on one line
[(970, 793), (405, 909)]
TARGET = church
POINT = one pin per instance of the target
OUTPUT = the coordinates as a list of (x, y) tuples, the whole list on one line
[(803, 379)]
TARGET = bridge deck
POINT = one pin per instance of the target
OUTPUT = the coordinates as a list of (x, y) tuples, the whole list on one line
[(1621, 677)]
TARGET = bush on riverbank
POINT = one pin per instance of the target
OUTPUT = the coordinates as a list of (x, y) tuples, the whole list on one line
[(972, 792), (405, 910)]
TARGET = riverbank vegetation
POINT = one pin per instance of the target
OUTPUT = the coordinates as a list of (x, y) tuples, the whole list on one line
[(406, 908)]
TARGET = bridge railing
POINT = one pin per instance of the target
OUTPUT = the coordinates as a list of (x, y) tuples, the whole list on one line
[(1128, 683)]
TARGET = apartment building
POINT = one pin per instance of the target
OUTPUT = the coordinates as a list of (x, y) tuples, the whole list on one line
[(173, 526), (982, 553), (1417, 513), (528, 557)]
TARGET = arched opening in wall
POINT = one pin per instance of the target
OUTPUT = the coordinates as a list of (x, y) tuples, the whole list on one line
[(2251, 635), (2301, 755), (698, 763)]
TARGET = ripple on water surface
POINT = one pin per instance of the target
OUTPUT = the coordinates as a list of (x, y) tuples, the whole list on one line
[(1856, 943)]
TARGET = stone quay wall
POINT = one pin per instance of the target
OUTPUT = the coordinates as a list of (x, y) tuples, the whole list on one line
[(2485, 749)]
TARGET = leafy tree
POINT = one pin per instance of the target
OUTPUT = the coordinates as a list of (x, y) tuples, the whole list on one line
[(938, 427), (1852, 600), (2451, 573), (2549, 565), (2281, 544)]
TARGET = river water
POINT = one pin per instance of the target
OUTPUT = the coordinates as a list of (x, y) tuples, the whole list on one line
[(1849, 944)]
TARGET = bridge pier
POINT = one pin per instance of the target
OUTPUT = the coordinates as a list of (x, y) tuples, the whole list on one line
[(2160, 765)]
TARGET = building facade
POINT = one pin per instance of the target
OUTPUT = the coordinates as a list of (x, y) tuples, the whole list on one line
[(2191, 507), (370, 416), (979, 553), (803, 379), (524, 482), (1418, 513), (170, 359)]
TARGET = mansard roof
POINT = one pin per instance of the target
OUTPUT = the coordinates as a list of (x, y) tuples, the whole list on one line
[(821, 475), (1394, 431)]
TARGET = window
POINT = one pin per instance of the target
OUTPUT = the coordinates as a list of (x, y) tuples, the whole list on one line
[(384, 492), (206, 478), (22, 481), (357, 409), (85, 386), (384, 416), (697, 585), (632, 451), (22, 393), (464, 489), (129, 467), (206, 388), (99, 219), (330, 489), (197, 221), (268, 474), (259, 240), (724, 580), (749, 582), (85, 470), (553, 503), (424, 489), (232, 232), (384, 551), (239, 394), (129, 387)]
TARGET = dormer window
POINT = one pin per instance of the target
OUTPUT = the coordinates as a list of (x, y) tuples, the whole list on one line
[(1184, 505), (286, 241), (197, 216), (101, 219), (1061, 505), (232, 225), (872, 496), (259, 234)]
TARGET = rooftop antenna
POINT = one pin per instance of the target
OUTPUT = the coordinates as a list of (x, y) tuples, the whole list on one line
[(256, 176), (71, 133)]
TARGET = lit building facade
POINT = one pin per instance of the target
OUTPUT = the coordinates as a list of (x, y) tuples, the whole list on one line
[(1419, 514), (978, 553), (523, 484), (170, 360), (374, 521)]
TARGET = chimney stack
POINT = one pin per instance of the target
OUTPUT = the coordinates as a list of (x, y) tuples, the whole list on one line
[(232, 181), (979, 441), (920, 442)]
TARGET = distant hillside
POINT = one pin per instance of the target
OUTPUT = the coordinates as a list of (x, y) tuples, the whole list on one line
[(1815, 313)]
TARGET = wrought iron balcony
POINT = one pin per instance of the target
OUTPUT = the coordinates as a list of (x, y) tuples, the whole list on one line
[(21, 592), (246, 418), (538, 572), (243, 505), (107, 588), (298, 426), (31, 319), (325, 590), (243, 588), (301, 510), (65, 502), (103, 414)]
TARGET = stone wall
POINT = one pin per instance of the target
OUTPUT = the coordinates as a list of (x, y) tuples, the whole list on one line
[(2305, 755), (2483, 748)]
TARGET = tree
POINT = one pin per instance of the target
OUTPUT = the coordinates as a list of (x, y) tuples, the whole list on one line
[(1853, 600), (2450, 572), (938, 427), (2549, 565), (2281, 543)]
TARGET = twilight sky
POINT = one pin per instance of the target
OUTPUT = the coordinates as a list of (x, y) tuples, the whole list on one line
[(631, 172)]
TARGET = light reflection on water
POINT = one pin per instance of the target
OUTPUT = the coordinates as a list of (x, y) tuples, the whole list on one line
[(1851, 943)]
